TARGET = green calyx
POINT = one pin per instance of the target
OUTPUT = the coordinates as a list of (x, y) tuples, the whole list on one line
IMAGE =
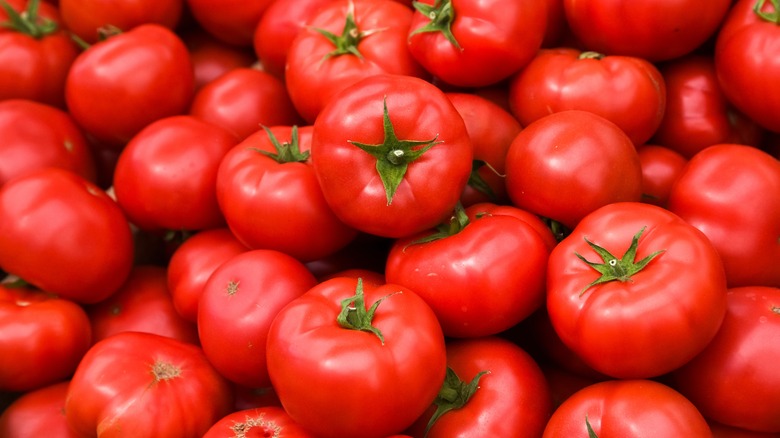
[(28, 22), (478, 183), (591, 55), (348, 41), (441, 15), (773, 16), (454, 394), (285, 152), (393, 155), (457, 222), (355, 316), (613, 268), (591, 432)]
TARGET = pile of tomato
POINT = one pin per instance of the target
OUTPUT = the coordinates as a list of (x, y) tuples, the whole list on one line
[(389, 218)]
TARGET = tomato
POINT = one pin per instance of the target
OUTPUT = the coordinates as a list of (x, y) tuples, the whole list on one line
[(37, 135), (39, 412), (244, 99), (344, 42), (697, 112), (627, 408), (193, 262), (470, 43), (635, 290), (212, 57), (567, 164), (744, 227), (86, 18), (77, 242), (723, 431), (36, 53), (142, 384), (231, 21), (626, 90), (118, 86), (375, 354), (43, 338), (749, 398), (661, 166), (487, 380), (142, 304), (746, 50), (476, 251), (239, 300), (268, 421), (656, 30), (177, 158), (392, 155), (268, 192)]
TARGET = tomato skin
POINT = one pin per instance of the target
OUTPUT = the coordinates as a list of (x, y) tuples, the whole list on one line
[(742, 226), (35, 211), (177, 157), (36, 135), (85, 17), (661, 166), (231, 21), (43, 338), (629, 91), (142, 384), (118, 86), (265, 421), (432, 184), (39, 412), (496, 39), (567, 164), (627, 408), (359, 380), (656, 320), (212, 57)]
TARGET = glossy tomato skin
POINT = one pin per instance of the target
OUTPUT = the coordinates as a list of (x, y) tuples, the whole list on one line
[(495, 40), (177, 159), (231, 21), (43, 338), (661, 166), (39, 412), (278, 205), (212, 57), (567, 164), (656, 30), (53, 212), (120, 85), (432, 184), (627, 408), (627, 90), (36, 135), (749, 397), (270, 421), (85, 18), (743, 227), (364, 388), (142, 384), (653, 321)]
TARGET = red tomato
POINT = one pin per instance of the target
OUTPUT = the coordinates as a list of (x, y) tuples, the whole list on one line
[(85, 18), (661, 166), (270, 421), (567, 164), (177, 159), (628, 409), (77, 242), (723, 431), (37, 135), (487, 380), (697, 113), (375, 354), (408, 153), (142, 304), (118, 86), (734, 380), (232, 21), (244, 99), (42, 338), (625, 90), (142, 384), (269, 194), (40, 412), (656, 30), (239, 301), (212, 57), (635, 291), (476, 251), (471, 43), (732, 194)]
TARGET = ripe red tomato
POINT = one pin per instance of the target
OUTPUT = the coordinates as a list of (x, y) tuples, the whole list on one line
[(85, 18), (627, 408), (142, 384), (407, 151), (635, 291), (231, 21), (212, 57), (661, 166), (269, 421), (375, 354), (42, 338), (77, 242), (39, 412)]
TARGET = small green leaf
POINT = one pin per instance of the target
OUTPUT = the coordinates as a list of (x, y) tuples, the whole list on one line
[(591, 433), (285, 152), (355, 316), (28, 22), (772, 17), (454, 394), (441, 15)]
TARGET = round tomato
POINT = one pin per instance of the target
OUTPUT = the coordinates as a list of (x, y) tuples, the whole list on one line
[(212, 57), (86, 18), (661, 166), (40, 412), (269, 421), (231, 21)]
